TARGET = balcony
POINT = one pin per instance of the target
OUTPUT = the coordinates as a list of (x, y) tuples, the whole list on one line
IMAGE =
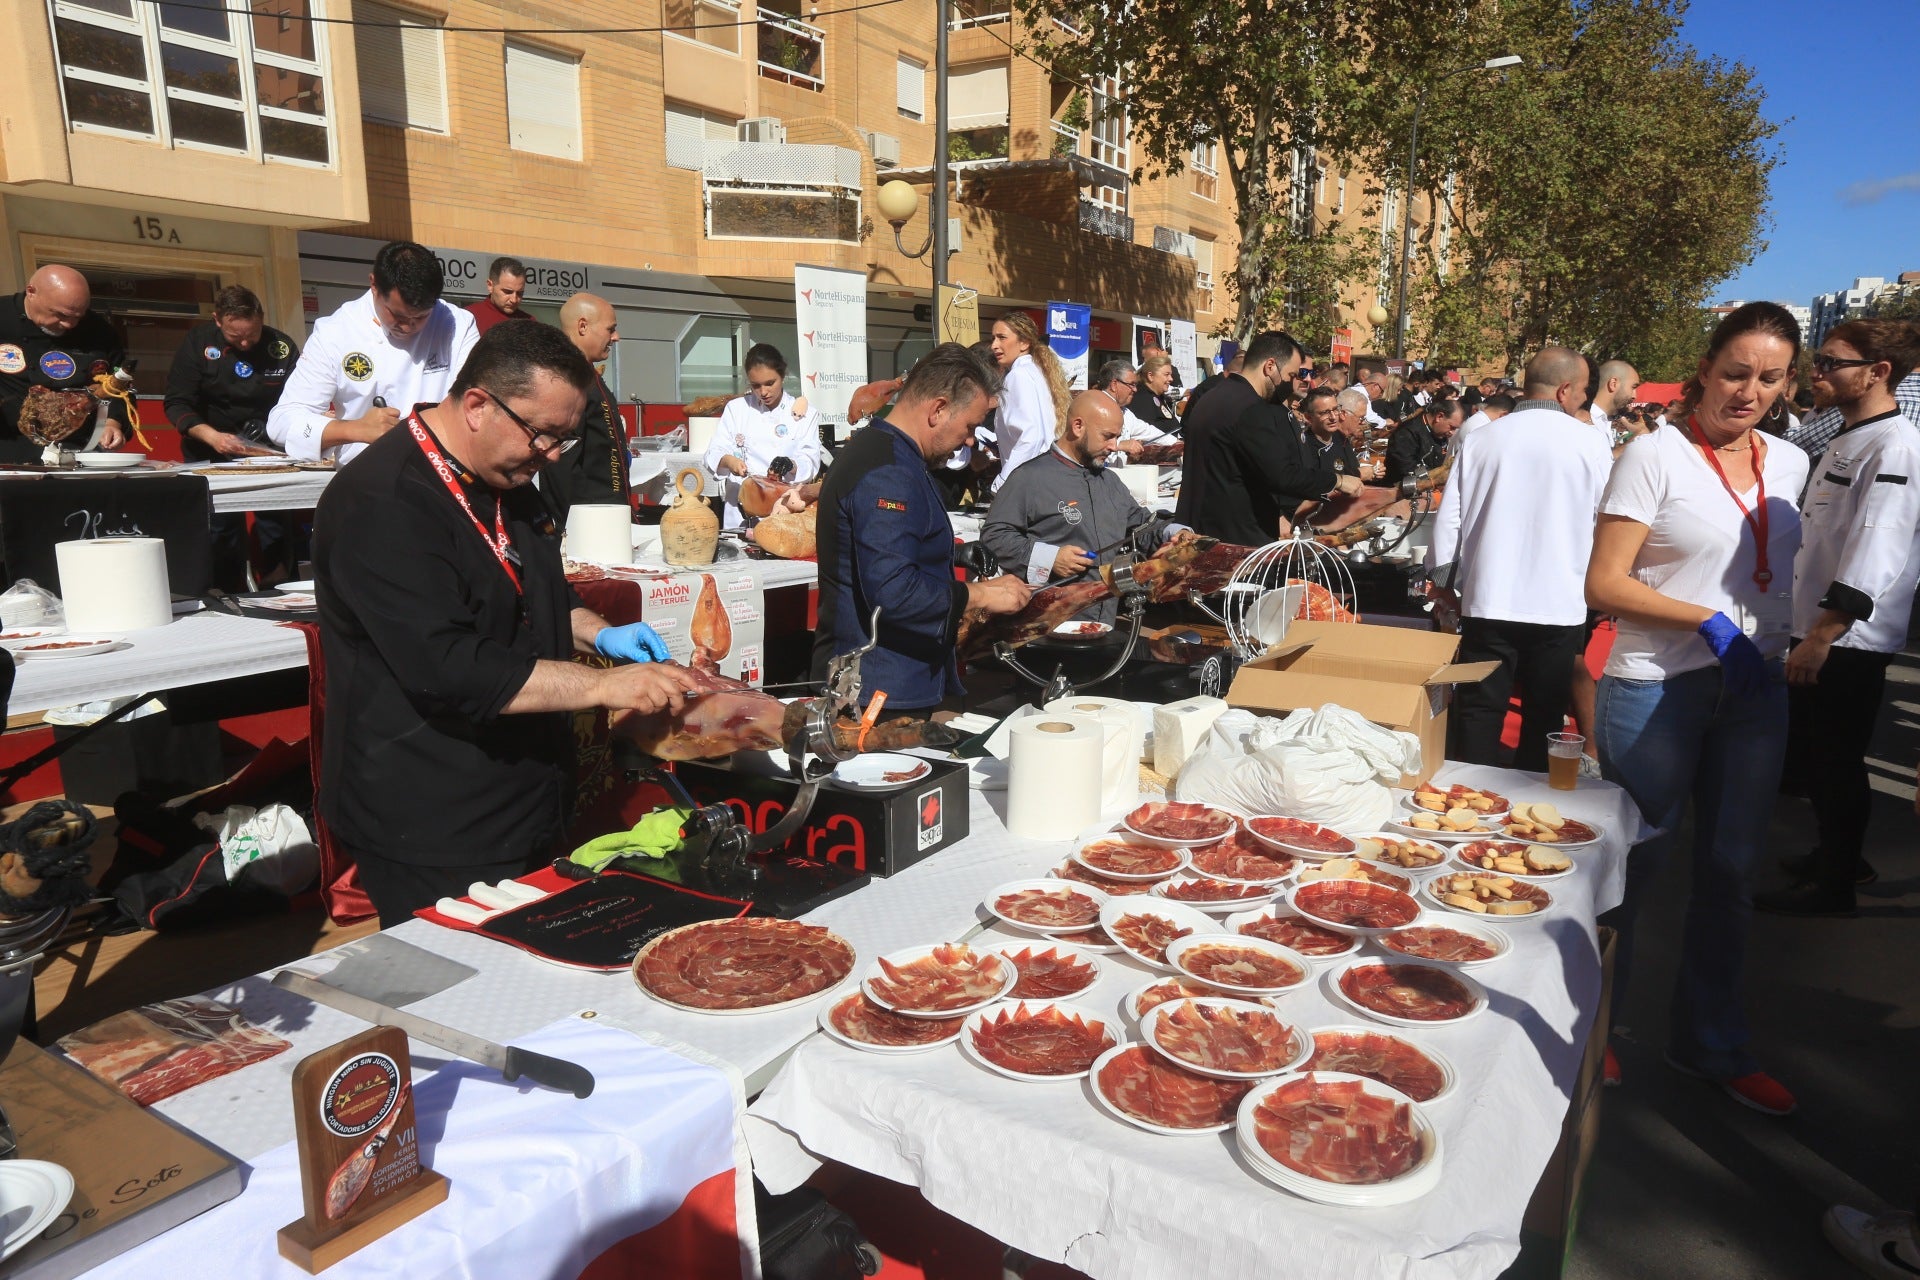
[(780, 191), (1104, 220), (1066, 139), (979, 13), (792, 51)]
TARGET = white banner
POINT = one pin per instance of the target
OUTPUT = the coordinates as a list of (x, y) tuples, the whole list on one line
[(830, 307), (1182, 340)]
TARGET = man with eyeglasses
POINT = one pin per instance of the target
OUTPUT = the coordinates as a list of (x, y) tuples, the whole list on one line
[(50, 336), (1121, 380), (447, 625), (397, 345)]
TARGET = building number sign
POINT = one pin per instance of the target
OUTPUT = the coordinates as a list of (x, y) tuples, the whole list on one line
[(149, 227)]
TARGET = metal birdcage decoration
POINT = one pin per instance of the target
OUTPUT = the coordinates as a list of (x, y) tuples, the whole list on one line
[(1293, 579)]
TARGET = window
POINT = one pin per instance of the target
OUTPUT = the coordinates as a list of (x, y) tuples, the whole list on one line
[(543, 102), (912, 78), (1203, 268), (189, 73), (1107, 137), (709, 22), (1340, 190), (977, 112), (403, 68), (1206, 170), (692, 134)]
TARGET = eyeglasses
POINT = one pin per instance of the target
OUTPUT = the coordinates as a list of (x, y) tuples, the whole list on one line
[(1129, 382), (541, 441), (1827, 364)]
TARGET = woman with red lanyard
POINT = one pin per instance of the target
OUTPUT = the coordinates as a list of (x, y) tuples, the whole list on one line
[(1694, 555)]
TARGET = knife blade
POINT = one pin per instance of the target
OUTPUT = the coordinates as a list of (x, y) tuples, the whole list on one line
[(510, 1062)]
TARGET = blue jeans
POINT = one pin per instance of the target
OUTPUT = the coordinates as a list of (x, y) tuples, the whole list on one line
[(1666, 741)]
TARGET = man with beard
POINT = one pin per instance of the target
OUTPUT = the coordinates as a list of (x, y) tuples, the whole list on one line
[(1422, 441)]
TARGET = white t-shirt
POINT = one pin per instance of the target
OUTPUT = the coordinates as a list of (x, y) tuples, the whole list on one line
[(1478, 420), (1699, 549), (751, 431)]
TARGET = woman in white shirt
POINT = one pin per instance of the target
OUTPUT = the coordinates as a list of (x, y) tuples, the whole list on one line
[(1033, 400), (760, 426), (1694, 555)]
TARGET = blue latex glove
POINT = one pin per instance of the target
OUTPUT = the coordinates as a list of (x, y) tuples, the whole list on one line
[(1745, 670), (635, 642)]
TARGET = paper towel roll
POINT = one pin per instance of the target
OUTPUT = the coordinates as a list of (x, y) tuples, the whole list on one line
[(1119, 765), (114, 584), (1142, 482), (1053, 777), (700, 434), (600, 532), (1086, 704)]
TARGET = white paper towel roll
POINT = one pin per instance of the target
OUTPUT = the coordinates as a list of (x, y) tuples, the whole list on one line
[(700, 434), (1142, 482), (1053, 777), (1087, 704), (1119, 766), (114, 584), (600, 532)]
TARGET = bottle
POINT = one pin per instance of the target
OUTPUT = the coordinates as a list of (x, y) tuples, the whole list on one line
[(689, 531)]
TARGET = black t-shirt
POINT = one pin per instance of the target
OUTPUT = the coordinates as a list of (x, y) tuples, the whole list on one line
[(30, 358), (215, 383), (1255, 473), (595, 470), (426, 640)]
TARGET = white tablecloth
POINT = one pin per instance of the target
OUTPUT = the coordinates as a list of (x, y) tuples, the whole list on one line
[(1040, 1167), (197, 649), (237, 490)]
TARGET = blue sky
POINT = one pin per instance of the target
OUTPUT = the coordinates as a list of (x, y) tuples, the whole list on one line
[(1841, 81)]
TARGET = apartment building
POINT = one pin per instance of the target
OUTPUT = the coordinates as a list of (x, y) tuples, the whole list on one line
[(170, 149)]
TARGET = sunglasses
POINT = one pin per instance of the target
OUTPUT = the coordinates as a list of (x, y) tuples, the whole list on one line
[(1302, 373), (541, 441), (1827, 364)]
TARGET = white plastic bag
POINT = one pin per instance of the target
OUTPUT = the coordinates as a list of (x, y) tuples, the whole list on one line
[(27, 604), (270, 848), (1332, 766)]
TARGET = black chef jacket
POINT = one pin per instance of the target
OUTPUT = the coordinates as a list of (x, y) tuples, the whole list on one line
[(216, 384), (1224, 403), (595, 470), (425, 641), (30, 358), (1412, 446), (1337, 453), (1254, 474)]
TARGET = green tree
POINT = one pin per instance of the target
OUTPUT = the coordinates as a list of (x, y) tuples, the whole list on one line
[(1259, 79)]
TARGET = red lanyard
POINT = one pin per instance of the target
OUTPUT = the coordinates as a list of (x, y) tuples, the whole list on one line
[(498, 542), (1756, 519)]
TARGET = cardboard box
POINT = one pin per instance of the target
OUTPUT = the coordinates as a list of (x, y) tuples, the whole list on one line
[(1391, 675)]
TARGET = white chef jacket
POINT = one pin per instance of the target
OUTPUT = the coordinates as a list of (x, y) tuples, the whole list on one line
[(1860, 547), (349, 360), (1515, 527), (1133, 427), (1025, 424), (759, 435)]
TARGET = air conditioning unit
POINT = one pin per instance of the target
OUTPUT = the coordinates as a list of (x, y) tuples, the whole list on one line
[(885, 148), (762, 129)]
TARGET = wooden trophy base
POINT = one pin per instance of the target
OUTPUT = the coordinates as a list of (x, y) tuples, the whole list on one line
[(313, 1251)]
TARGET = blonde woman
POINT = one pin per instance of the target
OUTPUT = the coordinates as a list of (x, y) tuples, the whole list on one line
[(1033, 402)]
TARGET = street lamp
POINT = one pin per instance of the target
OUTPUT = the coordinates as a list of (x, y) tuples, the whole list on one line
[(898, 200), (1406, 214)]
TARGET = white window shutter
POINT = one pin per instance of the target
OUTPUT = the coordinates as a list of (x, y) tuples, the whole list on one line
[(402, 67), (543, 102), (977, 97), (686, 138), (913, 88)]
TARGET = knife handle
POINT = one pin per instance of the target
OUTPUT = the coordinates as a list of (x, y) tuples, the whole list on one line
[(555, 1073)]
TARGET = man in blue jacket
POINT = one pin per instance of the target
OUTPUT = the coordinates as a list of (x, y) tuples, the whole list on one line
[(884, 539)]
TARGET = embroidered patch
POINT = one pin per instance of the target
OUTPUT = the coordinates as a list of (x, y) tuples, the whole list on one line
[(357, 367), (1069, 511), (280, 349), (97, 368), (1887, 478), (211, 353), (12, 359), (241, 369), (58, 365), (888, 504)]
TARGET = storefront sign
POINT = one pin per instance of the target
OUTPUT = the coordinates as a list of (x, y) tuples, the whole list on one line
[(959, 314), (1182, 340), (1070, 334), (830, 309), (547, 280)]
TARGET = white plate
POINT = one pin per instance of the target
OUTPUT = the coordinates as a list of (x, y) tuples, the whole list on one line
[(1087, 891), (1450, 1078), (1406, 802), (291, 603), (1179, 913), (1411, 1185), (1081, 953), (1134, 876), (109, 461), (1107, 1023), (92, 645), (13, 636), (1599, 833), (1225, 906), (1149, 1035), (895, 1050), (908, 955), (1340, 997), (258, 460), (304, 587), (1193, 868), (1276, 910), (1313, 855), (1166, 842), (1179, 947), (1460, 863), (1445, 851), (1131, 1005), (1120, 1113), (32, 1194), (1487, 831), (1071, 630), (1498, 939), (1312, 889), (633, 971), (868, 772), (1429, 892)]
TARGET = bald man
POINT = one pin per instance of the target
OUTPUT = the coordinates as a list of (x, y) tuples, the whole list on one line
[(1616, 385), (1055, 511), (596, 471), (51, 337)]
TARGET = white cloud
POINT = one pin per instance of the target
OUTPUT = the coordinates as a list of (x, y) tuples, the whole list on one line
[(1880, 188)]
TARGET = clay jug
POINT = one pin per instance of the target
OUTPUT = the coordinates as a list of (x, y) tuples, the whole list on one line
[(689, 532)]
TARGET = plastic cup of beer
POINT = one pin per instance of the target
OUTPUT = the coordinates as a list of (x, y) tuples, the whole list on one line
[(1563, 759)]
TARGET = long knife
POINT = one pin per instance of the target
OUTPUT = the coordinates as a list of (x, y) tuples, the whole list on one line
[(512, 1063)]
